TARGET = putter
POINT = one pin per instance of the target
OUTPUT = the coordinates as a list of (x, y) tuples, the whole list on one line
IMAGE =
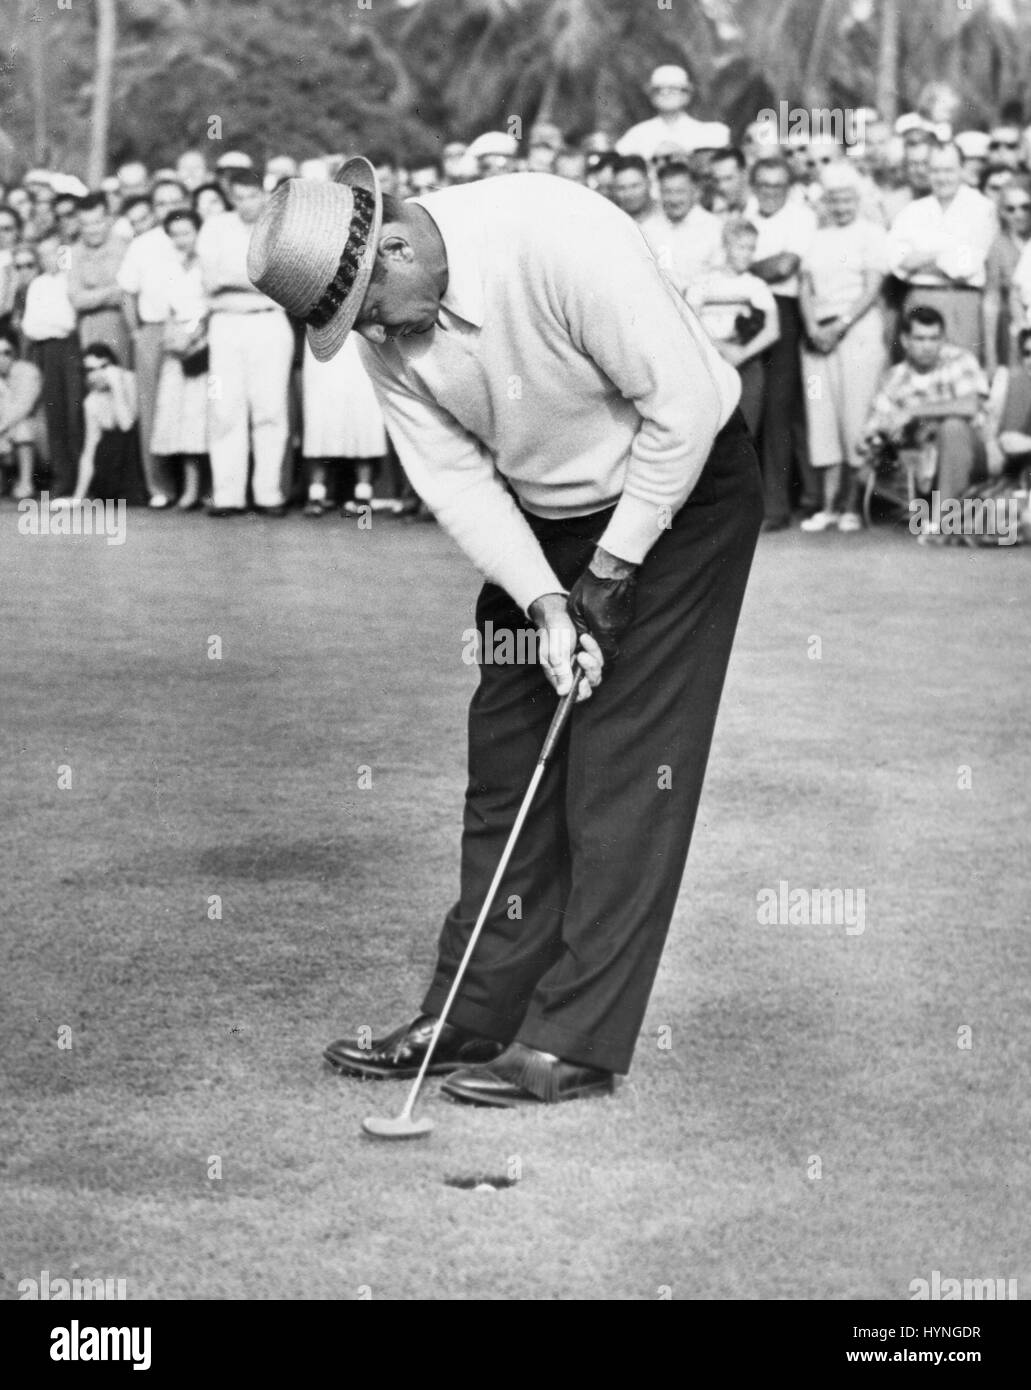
[(405, 1126)]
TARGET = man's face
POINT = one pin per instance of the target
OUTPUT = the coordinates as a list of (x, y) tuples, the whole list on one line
[(21, 200), (247, 201), (571, 166), (1015, 207), (43, 216), (67, 218), (166, 197), (996, 184), (405, 298), (740, 251), (424, 180), (771, 190), (668, 100), (946, 174), (183, 235), (8, 231), (95, 224), (25, 265), (677, 194), (630, 191), (140, 218), (209, 204), (922, 345), (132, 179), (729, 182), (1004, 148), (842, 205), (192, 169), (917, 165)]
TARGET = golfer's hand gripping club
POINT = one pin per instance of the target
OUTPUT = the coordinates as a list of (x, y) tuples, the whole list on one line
[(603, 600)]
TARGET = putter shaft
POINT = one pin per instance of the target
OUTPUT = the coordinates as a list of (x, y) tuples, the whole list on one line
[(558, 723)]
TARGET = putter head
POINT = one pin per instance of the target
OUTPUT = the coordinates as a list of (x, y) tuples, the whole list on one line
[(401, 1127)]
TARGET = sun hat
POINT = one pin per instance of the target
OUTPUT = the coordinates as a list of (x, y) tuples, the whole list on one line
[(313, 249), (670, 75), (493, 142), (234, 159)]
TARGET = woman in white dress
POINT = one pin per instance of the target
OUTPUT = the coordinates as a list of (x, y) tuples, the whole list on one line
[(181, 412), (840, 287), (343, 424)]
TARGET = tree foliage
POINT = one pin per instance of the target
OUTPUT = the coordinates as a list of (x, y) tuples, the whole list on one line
[(309, 76)]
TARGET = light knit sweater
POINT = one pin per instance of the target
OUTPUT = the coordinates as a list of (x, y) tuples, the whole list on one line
[(565, 366)]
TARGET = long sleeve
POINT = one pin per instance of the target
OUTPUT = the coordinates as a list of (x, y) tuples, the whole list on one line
[(654, 351), (456, 479)]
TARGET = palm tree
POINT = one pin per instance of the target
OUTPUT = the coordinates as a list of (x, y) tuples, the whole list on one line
[(32, 21), (100, 119), (887, 97)]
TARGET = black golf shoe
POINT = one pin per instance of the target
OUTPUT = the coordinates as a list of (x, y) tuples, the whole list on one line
[(524, 1076), (400, 1053)]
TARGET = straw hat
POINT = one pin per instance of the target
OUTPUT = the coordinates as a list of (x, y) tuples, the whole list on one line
[(313, 249)]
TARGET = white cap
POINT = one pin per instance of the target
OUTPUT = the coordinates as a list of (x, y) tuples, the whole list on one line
[(670, 75), (234, 159), (973, 144), (493, 142), (68, 184)]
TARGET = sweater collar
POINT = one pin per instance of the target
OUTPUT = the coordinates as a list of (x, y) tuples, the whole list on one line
[(464, 295)]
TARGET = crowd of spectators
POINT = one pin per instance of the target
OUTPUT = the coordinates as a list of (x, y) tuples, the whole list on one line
[(874, 293)]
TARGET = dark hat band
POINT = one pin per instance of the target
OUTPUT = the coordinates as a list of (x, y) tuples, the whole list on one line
[(350, 261)]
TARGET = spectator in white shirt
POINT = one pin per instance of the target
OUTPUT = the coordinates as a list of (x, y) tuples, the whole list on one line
[(939, 246), (151, 265), (685, 239), (251, 347), (786, 231), (670, 91), (49, 327)]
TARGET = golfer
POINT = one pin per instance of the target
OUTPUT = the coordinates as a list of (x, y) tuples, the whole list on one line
[(560, 410)]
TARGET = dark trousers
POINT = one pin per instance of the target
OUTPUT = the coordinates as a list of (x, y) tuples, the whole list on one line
[(568, 956), (783, 449), (60, 363)]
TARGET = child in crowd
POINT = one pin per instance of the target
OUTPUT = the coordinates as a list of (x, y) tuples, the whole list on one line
[(739, 313)]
